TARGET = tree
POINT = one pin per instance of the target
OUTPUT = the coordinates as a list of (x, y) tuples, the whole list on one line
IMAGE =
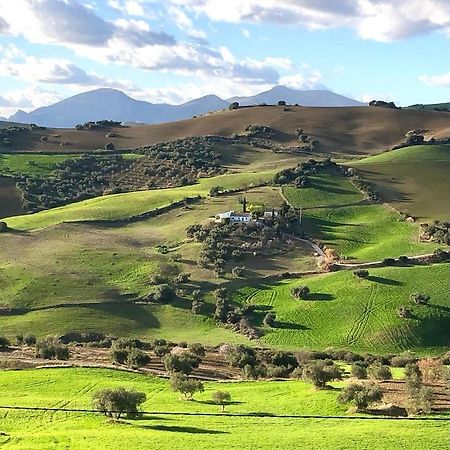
[(281, 103), (3, 227), (52, 348), (137, 358), (361, 395), (182, 277), (221, 398), (30, 340), (4, 343), (118, 401), (215, 191), (197, 349), (321, 372), (359, 370), (420, 299), (197, 306), (234, 105), (403, 312), (163, 294), (300, 292), (237, 271), (432, 369), (187, 386), (269, 319), (109, 146), (361, 273), (184, 363), (240, 356), (378, 371)]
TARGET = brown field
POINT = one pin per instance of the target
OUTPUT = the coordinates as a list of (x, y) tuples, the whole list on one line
[(10, 198), (350, 131)]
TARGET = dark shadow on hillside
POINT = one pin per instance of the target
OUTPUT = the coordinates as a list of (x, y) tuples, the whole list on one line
[(210, 402), (319, 296), (330, 188), (129, 311), (290, 326), (180, 429), (440, 308), (383, 280)]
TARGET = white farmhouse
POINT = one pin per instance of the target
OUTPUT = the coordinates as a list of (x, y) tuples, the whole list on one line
[(234, 217)]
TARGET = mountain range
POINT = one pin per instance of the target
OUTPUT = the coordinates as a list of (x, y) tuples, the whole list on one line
[(113, 104)]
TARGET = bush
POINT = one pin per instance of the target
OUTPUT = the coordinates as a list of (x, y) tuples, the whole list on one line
[(432, 370), (4, 343), (359, 370), (238, 271), (379, 371), (52, 348), (221, 398), (241, 356), (163, 294), (300, 292), (118, 401), (183, 277), (321, 372), (197, 349), (388, 262), (30, 340), (137, 358), (403, 312), (281, 103), (269, 319), (184, 363), (187, 386), (361, 273), (197, 306), (403, 360), (419, 299), (234, 105), (3, 226), (361, 395), (109, 146)]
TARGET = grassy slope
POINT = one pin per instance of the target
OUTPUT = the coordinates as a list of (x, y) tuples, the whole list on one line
[(39, 165), (372, 129), (120, 206), (363, 232), (347, 312), (413, 179), (74, 387)]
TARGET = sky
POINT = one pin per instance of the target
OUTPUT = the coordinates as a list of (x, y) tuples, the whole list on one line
[(176, 50)]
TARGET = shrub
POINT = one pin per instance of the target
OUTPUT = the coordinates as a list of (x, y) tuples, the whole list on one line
[(379, 371), (361, 273), (241, 356), (161, 350), (184, 363), (4, 343), (52, 348), (30, 339), (238, 271), (300, 292), (269, 319), (388, 262), (361, 395), (403, 312), (3, 226), (234, 105), (109, 146), (163, 294), (403, 360), (432, 369), (419, 299), (187, 386), (197, 349), (221, 398), (321, 372), (183, 277), (118, 401), (19, 339), (137, 358), (197, 306), (359, 370), (281, 103)]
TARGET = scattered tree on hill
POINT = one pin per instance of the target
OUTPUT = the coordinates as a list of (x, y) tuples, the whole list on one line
[(30, 340), (359, 370), (109, 146), (221, 398), (300, 292), (404, 312), (361, 273), (187, 386), (361, 395), (420, 299), (215, 191), (163, 294), (234, 105), (238, 271), (241, 356), (52, 348), (184, 363), (197, 349), (197, 306), (137, 358), (321, 372), (182, 277), (378, 371), (281, 103), (118, 401), (432, 369)]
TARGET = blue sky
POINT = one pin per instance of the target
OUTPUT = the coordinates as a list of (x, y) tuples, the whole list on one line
[(176, 50)]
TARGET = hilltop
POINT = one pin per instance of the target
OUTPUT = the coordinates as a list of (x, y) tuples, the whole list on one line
[(348, 131)]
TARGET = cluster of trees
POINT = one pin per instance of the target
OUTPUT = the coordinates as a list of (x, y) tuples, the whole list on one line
[(371, 194), (73, 180), (300, 292), (52, 348), (417, 298), (6, 134), (383, 104), (98, 124), (437, 232), (127, 351), (259, 131), (299, 175)]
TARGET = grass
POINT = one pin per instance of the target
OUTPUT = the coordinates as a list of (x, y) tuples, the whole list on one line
[(413, 179), (325, 190), (32, 164), (73, 388), (121, 206), (347, 312)]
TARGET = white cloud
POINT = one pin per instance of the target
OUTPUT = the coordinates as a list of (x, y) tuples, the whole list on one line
[(436, 80), (368, 97), (380, 20)]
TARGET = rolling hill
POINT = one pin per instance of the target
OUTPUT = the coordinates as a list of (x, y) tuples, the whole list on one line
[(346, 131)]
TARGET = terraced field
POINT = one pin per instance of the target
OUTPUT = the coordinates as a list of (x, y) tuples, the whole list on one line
[(73, 388), (413, 179), (347, 312)]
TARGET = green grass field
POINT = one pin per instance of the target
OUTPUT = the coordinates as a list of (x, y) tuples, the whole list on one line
[(413, 179), (73, 388), (33, 164), (347, 312), (121, 206)]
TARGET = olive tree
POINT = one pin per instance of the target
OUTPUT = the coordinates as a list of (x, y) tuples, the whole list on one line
[(185, 385), (118, 401), (221, 398), (361, 395)]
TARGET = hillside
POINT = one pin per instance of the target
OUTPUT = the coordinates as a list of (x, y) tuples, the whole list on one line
[(347, 131)]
